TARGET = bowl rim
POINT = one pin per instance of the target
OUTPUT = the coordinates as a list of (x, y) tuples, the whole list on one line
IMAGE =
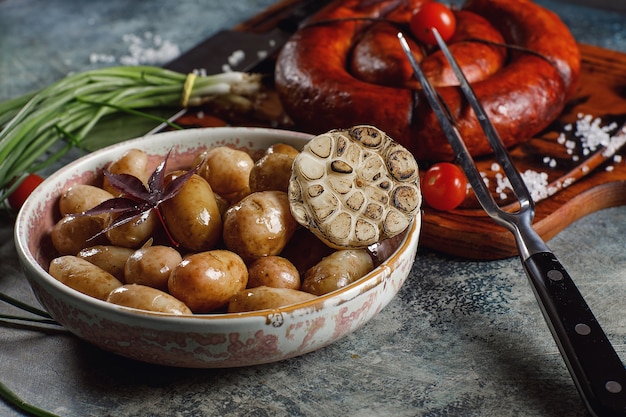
[(342, 295)]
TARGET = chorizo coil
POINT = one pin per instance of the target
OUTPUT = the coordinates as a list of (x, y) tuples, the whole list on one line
[(522, 97)]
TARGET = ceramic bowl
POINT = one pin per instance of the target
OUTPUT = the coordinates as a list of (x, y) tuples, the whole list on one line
[(204, 340)]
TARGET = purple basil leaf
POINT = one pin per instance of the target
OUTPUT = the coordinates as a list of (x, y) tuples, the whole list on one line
[(176, 185), (128, 184), (136, 199), (113, 205), (130, 215), (125, 217), (155, 183)]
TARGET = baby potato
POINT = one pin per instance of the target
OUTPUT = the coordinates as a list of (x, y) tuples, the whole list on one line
[(205, 281), (192, 216), (222, 204), (134, 233), (261, 298), (73, 233), (133, 162), (147, 298), (271, 172), (259, 225), (227, 170), (284, 149), (305, 250), (151, 266), (234, 198), (110, 258), (337, 270), (82, 197), (83, 276), (273, 271)]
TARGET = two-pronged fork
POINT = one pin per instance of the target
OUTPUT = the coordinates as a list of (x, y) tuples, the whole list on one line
[(595, 367)]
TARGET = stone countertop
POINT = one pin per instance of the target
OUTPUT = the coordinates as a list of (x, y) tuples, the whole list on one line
[(461, 338)]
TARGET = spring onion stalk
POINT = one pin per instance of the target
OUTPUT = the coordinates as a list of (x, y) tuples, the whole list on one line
[(12, 398), (23, 306), (5, 393), (12, 317), (38, 128)]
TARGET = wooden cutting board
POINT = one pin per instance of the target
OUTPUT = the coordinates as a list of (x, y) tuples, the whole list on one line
[(469, 232)]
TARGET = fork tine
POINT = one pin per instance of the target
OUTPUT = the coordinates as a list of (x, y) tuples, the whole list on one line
[(448, 125), (519, 222), (517, 183)]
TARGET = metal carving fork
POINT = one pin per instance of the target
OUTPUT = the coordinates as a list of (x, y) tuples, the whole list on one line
[(594, 365)]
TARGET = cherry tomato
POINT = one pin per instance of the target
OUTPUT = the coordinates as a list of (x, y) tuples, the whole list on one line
[(433, 15), (444, 186), (21, 193)]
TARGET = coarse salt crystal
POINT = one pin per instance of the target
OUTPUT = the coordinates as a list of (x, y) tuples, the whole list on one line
[(502, 183), (537, 183), (101, 58), (149, 49), (568, 181), (551, 162), (592, 134), (236, 57), (588, 135), (553, 189), (485, 179)]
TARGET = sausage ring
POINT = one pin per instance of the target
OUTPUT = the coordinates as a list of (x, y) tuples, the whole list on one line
[(328, 74)]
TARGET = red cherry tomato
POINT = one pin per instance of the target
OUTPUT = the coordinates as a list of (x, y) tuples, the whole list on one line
[(444, 186), (433, 15), (21, 193)]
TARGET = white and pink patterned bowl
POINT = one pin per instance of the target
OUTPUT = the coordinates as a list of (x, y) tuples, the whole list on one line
[(203, 340)]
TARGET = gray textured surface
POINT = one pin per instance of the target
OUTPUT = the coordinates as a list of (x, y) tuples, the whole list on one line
[(461, 339)]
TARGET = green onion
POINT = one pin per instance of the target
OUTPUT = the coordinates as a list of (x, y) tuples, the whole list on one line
[(5, 393), (13, 398), (61, 116), (21, 305)]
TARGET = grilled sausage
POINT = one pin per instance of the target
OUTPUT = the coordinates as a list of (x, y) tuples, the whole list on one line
[(378, 57), (320, 93)]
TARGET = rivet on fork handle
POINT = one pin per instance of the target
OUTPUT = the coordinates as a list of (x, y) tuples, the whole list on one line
[(595, 367)]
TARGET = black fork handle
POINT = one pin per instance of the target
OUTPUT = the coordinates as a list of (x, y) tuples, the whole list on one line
[(595, 367)]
